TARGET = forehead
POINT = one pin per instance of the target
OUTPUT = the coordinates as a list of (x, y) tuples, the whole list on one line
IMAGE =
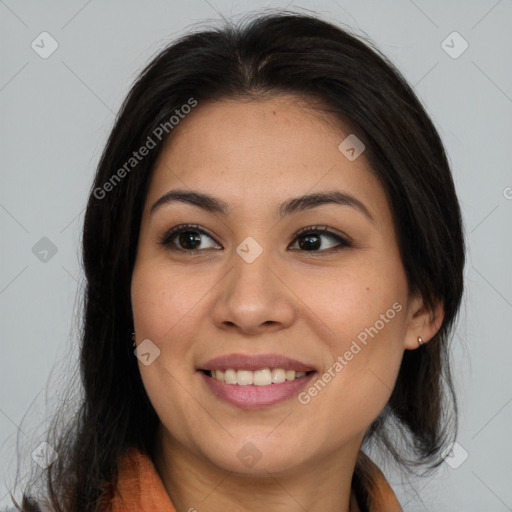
[(250, 153)]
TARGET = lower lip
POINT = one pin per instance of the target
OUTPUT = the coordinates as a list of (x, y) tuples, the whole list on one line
[(254, 397)]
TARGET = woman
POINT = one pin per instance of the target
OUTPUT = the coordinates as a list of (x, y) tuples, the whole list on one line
[(274, 257)]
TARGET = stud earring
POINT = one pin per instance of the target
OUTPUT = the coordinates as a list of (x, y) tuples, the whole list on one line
[(420, 341)]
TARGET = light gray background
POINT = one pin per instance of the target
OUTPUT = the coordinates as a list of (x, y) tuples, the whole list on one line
[(56, 113)]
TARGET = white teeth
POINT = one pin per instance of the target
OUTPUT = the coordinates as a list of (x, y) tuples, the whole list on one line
[(278, 376), (262, 377), (244, 377), (290, 374), (229, 376)]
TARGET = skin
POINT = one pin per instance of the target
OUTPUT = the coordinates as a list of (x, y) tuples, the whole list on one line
[(307, 304)]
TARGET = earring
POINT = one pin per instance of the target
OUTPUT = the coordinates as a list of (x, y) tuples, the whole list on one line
[(133, 337), (420, 341)]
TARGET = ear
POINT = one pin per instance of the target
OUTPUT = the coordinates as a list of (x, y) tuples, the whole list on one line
[(422, 322)]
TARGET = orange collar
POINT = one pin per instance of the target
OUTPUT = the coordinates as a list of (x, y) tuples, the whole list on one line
[(140, 488)]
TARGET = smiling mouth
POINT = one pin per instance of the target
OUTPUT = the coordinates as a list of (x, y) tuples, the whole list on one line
[(263, 377)]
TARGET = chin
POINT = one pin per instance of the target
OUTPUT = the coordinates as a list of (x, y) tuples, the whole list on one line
[(256, 457)]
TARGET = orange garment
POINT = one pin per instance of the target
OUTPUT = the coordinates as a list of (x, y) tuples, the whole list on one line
[(140, 488)]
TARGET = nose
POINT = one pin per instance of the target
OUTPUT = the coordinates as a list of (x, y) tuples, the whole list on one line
[(253, 298)]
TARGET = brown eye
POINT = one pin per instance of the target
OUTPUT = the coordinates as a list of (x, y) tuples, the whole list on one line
[(190, 238), (310, 240), (187, 238)]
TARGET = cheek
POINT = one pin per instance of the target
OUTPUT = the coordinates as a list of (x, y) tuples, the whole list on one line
[(365, 314), (161, 300), (364, 306), (164, 315)]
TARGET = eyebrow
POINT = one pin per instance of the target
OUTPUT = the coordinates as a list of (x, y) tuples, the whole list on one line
[(294, 205)]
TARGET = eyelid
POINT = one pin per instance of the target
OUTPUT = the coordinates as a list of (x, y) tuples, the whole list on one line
[(324, 229), (345, 240), (165, 239)]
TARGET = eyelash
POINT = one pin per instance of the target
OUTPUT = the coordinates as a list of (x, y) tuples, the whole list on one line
[(166, 240)]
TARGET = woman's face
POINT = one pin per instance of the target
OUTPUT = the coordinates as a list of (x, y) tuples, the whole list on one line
[(336, 301)]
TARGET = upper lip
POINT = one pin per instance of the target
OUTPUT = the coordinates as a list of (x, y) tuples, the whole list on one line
[(255, 362)]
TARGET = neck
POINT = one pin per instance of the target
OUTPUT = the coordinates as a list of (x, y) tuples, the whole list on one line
[(193, 482)]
